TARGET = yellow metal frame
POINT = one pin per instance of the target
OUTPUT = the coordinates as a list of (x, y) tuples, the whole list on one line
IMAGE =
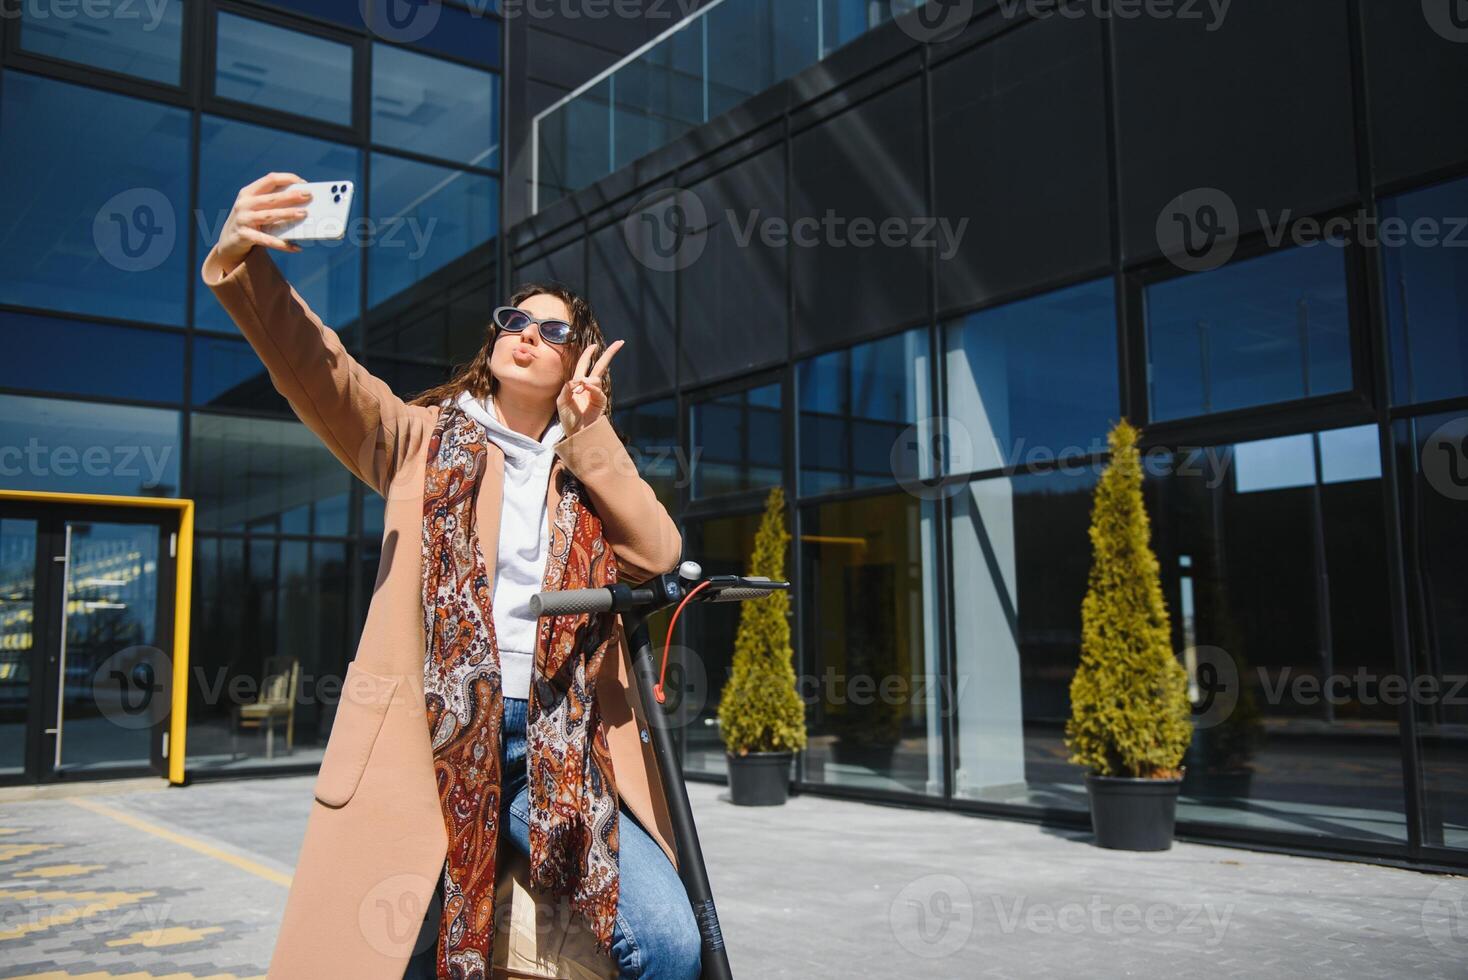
[(182, 592)]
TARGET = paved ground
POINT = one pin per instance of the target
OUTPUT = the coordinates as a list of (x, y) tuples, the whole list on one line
[(140, 882)]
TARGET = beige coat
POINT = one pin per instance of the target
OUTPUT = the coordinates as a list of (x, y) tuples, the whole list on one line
[(375, 840)]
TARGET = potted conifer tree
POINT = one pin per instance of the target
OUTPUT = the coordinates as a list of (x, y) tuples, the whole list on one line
[(761, 716), (1130, 721)]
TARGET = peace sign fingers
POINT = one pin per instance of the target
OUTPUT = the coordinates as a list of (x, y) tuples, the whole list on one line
[(605, 360)]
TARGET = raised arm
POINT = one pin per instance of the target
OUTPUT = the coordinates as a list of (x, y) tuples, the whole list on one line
[(355, 414)]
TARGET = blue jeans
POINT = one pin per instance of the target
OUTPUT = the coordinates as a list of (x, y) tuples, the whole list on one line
[(655, 937)]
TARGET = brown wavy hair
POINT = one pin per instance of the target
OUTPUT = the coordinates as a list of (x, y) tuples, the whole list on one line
[(476, 378)]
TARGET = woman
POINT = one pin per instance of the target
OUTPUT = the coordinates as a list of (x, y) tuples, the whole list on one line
[(506, 480)]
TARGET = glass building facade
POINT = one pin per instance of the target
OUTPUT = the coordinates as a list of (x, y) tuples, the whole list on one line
[(125, 141), (913, 285), (938, 416)]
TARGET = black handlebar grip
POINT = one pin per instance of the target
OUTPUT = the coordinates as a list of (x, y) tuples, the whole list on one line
[(737, 594), (570, 602)]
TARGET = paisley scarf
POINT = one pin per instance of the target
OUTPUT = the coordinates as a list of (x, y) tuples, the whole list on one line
[(572, 791)]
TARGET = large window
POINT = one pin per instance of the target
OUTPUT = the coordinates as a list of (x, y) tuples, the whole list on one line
[(270, 66), (855, 406), (738, 441), (1274, 559), (1021, 558), (1427, 293), (423, 216), (1264, 330), (266, 476), (1031, 380), (121, 362), (435, 107), (100, 232), (143, 40), (88, 447), (868, 669), (1433, 462)]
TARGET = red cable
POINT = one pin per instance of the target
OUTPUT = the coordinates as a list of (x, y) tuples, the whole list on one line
[(668, 640)]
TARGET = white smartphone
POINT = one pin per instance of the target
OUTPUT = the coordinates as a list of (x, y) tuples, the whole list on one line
[(326, 213)]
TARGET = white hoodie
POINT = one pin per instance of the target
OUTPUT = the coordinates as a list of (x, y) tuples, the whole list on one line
[(523, 542)]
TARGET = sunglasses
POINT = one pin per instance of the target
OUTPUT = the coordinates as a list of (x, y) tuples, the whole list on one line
[(515, 320)]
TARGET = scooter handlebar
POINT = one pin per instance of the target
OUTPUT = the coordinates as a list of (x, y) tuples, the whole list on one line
[(570, 602)]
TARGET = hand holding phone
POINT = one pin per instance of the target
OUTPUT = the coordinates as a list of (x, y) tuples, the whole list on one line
[(326, 212)]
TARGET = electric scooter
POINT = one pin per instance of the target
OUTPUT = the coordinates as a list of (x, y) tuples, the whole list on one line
[(636, 603)]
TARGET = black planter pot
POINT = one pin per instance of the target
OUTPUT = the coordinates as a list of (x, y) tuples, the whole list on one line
[(759, 778), (1133, 814)]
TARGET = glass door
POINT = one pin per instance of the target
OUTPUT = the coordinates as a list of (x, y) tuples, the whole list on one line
[(86, 615)]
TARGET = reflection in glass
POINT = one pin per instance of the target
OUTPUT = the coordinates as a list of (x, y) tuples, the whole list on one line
[(434, 107), (738, 441), (121, 362), (1427, 307), (722, 546), (270, 632), (1265, 330), (110, 241), (651, 431), (1433, 455), (423, 218), (142, 40), (254, 474), (1274, 561), (1033, 380), (326, 274), (657, 96), (868, 664), (114, 669), (270, 66), (17, 638), (1020, 566), (88, 447), (855, 404), (228, 374), (713, 61)]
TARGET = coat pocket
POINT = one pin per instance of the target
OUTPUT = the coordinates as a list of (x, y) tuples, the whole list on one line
[(365, 700)]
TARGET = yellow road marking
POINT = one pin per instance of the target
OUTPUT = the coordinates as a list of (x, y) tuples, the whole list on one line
[(10, 851), (59, 870), (202, 847), (171, 936)]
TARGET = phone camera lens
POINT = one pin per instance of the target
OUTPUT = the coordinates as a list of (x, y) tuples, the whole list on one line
[(337, 199), (333, 188)]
